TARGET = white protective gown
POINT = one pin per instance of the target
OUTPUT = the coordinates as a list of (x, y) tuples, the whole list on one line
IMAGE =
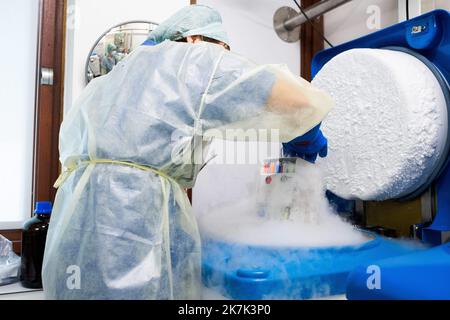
[(121, 231)]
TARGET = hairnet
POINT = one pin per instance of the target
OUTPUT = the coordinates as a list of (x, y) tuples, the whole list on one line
[(191, 21)]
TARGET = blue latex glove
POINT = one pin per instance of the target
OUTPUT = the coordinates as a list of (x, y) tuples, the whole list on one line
[(149, 43), (308, 146)]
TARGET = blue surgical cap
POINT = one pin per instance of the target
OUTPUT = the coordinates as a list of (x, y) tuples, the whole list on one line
[(193, 20)]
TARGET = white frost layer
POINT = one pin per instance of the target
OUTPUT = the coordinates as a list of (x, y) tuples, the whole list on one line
[(389, 126), (312, 223)]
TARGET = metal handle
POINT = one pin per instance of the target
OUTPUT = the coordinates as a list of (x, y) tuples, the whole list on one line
[(47, 76)]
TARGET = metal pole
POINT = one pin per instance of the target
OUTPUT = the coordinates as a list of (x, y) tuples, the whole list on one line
[(313, 12), (287, 20)]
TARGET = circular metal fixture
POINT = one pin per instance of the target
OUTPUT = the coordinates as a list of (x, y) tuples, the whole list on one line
[(286, 33)]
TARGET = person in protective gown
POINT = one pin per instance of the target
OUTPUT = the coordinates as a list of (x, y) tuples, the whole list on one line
[(122, 226), (109, 61)]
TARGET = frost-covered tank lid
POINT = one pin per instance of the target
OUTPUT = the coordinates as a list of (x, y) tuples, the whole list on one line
[(389, 128)]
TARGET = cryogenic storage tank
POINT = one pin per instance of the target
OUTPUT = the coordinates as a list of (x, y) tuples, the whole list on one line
[(388, 140), (389, 131), (414, 58)]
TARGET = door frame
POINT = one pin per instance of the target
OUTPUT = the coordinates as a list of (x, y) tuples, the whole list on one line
[(311, 41), (48, 107), (49, 99)]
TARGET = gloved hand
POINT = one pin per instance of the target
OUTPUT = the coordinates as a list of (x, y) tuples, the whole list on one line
[(308, 146)]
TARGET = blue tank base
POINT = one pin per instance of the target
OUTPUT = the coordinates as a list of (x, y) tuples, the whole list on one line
[(243, 272), (419, 276), (435, 235)]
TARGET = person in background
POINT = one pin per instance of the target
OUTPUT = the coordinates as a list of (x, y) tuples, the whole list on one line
[(109, 61), (122, 225)]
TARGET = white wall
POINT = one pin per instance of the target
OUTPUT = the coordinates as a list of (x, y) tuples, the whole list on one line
[(358, 18), (442, 4), (249, 25), (18, 33), (87, 20)]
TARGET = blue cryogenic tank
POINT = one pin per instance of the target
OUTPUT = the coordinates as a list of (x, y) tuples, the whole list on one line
[(407, 271), (420, 276), (425, 274), (245, 272)]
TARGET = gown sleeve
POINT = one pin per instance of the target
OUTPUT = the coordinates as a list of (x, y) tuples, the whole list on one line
[(244, 98)]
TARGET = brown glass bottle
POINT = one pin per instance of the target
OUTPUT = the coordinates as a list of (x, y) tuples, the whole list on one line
[(34, 235)]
